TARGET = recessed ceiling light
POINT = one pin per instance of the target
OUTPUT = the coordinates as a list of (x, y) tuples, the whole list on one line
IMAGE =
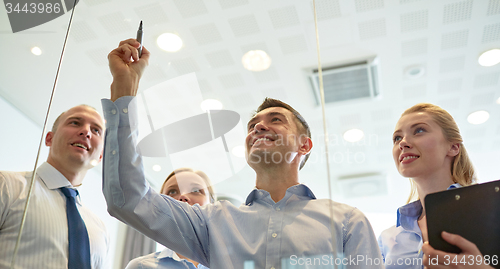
[(169, 42), (489, 58), (498, 100), (36, 50), (353, 135), (211, 104), (256, 60), (156, 168), (238, 151), (478, 117), (414, 71)]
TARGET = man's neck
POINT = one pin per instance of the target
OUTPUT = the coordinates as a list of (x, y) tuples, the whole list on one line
[(74, 176), (276, 180)]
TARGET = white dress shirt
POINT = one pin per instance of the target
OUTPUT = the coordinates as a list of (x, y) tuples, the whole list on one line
[(44, 241)]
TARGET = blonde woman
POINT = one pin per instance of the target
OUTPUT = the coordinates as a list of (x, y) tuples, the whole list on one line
[(428, 149), (186, 185)]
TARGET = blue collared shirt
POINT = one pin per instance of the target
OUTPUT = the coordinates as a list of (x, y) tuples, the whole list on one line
[(291, 233), (165, 259), (401, 245)]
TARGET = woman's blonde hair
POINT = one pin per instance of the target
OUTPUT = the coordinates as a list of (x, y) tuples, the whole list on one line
[(462, 171), (210, 189)]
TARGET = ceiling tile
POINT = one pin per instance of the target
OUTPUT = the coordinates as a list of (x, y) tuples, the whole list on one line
[(225, 4), (82, 32), (95, 2), (242, 99), (231, 81), (450, 103), (372, 29), (457, 12), (326, 9), (206, 34), (381, 115), (452, 64), (271, 74), (350, 119), (220, 58), (414, 91), (244, 25), (407, 1), (153, 14), (293, 44), (155, 73), (414, 47), (413, 21), (115, 23), (493, 7), (284, 17), (276, 93), (454, 40), (483, 99), (204, 86), (257, 46), (450, 86), (185, 66), (491, 33), (191, 8), (367, 5), (486, 80), (98, 56)]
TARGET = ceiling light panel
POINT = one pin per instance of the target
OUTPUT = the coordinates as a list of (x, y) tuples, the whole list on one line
[(154, 13), (493, 7), (413, 21), (414, 47), (191, 8), (244, 25), (457, 12), (293, 44), (284, 17), (372, 29), (454, 40), (115, 23), (452, 64), (206, 34), (367, 5)]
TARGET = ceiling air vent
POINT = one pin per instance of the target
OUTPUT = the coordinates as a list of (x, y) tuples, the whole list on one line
[(353, 81)]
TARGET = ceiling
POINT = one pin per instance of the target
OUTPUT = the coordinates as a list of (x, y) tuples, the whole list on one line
[(444, 37)]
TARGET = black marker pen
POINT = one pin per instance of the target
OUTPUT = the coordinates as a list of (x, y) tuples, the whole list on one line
[(139, 38)]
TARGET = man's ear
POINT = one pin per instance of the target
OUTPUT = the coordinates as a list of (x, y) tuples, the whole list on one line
[(48, 139), (454, 149), (305, 145)]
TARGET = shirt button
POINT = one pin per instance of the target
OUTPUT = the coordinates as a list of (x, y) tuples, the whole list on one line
[(278, 209), (274, 235), (125, 110), (113, 152), (113, 111)]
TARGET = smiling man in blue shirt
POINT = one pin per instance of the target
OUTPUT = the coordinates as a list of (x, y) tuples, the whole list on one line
[(281, 224)]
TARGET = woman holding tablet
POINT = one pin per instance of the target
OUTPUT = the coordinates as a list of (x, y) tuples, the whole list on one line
[(428, 149)]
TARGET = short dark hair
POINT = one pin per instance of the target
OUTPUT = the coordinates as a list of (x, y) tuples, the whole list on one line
[(301, 122)]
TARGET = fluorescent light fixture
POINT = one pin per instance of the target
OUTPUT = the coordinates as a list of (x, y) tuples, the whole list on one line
[(256, 60), (36, 50), (353, 135), (238, 151), (211, 104), (478, 117), (489, 58), (169, 42), (156, 168)]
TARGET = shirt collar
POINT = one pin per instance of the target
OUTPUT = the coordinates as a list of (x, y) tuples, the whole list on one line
[(414, 209), (299, 190), (166, 253), (51, 177)]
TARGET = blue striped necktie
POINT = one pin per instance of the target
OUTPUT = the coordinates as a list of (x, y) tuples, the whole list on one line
[(79, 245)]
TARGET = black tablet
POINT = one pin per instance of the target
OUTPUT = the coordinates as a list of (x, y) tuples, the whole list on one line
[(472, 212)]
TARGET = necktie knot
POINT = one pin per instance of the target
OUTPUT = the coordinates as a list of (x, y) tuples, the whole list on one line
[(68, 192)]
